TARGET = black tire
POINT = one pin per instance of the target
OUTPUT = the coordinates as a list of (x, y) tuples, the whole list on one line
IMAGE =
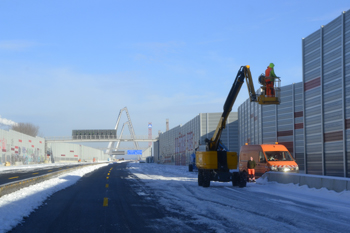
[(242, 179), (200, 177), (190, 167), (206, 178), (235, 179)]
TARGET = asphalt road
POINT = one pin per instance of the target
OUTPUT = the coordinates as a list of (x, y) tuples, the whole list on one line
[(101, 201), (18, 174)]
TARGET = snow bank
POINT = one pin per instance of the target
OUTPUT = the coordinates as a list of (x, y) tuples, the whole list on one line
[(17, 205)]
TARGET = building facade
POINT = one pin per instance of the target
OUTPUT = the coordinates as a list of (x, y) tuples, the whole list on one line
[(18, 148), (71, 153), (21, 149), (268, 124), (176, 145), (313, 119), (326, 78)]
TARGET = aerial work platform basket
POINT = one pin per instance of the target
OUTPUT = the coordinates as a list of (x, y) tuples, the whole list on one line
[(265, 99)]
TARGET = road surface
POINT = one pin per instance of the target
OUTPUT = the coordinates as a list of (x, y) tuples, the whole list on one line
[(137, 197), (105, 200)]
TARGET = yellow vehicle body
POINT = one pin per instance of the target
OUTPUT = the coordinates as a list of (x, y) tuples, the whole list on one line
[(209, 160), (268, 100)]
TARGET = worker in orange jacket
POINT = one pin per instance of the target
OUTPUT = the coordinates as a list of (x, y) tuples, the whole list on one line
[(269, 79)]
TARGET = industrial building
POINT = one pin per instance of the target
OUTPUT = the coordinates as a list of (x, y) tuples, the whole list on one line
[(176, 145), (313, 119), (18, 149), (70, 153), (268, 124)]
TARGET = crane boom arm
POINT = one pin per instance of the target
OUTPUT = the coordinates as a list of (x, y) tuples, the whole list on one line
[(243, 74)]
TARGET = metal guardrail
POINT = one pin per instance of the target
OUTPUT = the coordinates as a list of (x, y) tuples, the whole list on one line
[(122, 148), (101, 138)]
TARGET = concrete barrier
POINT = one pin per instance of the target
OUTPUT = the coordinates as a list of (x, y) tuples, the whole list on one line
[(337, 184)]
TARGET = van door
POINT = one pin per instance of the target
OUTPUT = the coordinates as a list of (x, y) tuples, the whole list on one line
[(261, 165), (243, 159)]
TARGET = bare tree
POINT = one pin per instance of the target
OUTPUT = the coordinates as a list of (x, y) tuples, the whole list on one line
[(26, 128)]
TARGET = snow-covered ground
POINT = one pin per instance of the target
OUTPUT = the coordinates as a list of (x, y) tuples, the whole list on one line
[(15, 206), (4, 169), (28, 168), (260, 207)]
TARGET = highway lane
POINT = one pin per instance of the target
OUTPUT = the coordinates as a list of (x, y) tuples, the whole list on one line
[(105, 200), (18, 174)]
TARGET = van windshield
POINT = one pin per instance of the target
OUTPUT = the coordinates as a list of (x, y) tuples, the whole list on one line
[(278, 156)]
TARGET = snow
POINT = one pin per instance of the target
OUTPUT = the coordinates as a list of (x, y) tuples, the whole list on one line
[(15, 206), (260, 207), (28, 168)]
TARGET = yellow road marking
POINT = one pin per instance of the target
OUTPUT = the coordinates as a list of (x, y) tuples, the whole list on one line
[(105, 201), (35, 173), (107, 177), (60, 169), (15, 177), (108, 173), (107, 185), (49, 171)]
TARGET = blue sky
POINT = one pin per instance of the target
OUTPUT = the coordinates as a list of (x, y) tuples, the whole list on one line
[(68, 65)]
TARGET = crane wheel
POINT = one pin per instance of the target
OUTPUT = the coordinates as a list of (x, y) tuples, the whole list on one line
[(206, 178), (200, 177), (235, 179), (242, 179)]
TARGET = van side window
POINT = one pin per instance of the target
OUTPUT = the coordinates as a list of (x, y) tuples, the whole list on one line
[(262, 157)]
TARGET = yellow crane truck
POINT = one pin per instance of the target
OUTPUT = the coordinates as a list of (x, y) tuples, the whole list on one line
[(212, 160)]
